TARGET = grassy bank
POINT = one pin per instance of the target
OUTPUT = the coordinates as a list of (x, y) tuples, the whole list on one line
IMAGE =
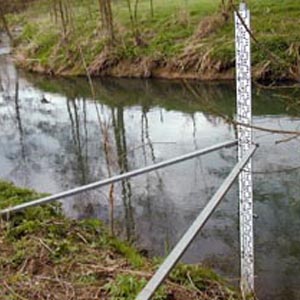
[(43, 255), (177, 39)]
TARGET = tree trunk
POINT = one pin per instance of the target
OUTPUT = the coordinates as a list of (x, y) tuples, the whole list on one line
[(151, 8), (107, 18), (62, 17), (5, 24)]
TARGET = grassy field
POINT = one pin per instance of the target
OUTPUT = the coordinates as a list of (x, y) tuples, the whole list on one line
[(43, 255), (178, 39)]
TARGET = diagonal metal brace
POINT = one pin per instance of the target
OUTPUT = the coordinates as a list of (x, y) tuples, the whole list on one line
[(192, 232)]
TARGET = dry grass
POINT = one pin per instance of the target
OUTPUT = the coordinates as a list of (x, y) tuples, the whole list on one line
[(43, 256)]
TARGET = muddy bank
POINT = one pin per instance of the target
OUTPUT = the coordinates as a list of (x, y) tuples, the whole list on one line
[(138, 68), (196, 68)]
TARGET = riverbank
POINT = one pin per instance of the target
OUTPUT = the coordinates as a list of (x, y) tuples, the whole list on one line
[(46, 256), (175, 40)]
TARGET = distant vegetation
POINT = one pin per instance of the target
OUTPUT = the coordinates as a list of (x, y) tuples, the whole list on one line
[(150, 38)]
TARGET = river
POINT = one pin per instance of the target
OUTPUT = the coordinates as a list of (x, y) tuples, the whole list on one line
[(56, 134)]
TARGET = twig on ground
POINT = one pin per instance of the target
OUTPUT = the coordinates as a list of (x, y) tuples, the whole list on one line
[(13, 292), (44, 245)]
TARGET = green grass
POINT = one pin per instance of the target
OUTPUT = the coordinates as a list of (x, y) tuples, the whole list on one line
[(172, 31), (165, 32), (276, 26), (128, 286)]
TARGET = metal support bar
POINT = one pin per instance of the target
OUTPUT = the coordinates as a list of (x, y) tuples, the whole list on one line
[(117, 178), (190, 235)]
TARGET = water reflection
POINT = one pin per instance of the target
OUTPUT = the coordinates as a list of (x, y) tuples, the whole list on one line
[(121, 147), (72, 139)]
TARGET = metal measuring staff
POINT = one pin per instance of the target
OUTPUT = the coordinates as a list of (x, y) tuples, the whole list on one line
[(244, 116)]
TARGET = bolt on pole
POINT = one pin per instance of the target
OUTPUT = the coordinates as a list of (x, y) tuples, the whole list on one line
[(244, 115)]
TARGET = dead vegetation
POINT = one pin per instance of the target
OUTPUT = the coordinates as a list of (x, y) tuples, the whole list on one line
[(43, 255), (105, 61)]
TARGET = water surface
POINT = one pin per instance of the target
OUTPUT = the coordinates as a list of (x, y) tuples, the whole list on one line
[(56, 135)]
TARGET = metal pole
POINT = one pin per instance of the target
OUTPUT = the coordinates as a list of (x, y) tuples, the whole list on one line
[(190, 235), (117, 178), (244, 115)]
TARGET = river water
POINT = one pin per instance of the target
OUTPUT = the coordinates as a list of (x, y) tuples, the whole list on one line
[(54, 136)]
